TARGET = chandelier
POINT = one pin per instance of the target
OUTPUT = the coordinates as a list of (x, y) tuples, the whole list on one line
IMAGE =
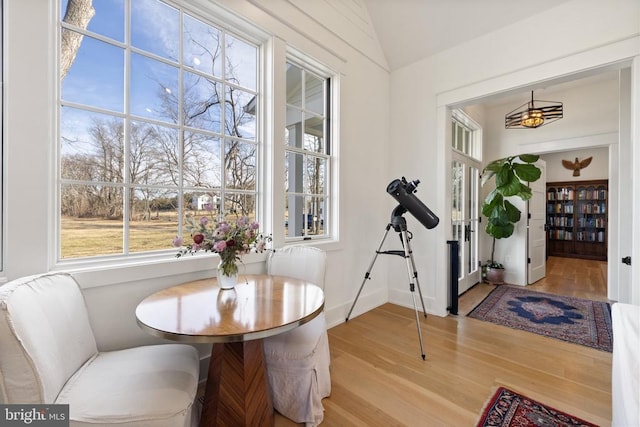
[(533, 114)]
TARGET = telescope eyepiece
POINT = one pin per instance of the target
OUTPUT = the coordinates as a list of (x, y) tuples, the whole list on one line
[(412, 186)]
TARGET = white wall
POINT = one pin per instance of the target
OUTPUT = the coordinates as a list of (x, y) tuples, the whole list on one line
[(575, 37), (597, 169), (112, 294)]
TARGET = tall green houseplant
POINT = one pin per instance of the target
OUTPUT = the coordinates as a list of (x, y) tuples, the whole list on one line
[(511, 177)]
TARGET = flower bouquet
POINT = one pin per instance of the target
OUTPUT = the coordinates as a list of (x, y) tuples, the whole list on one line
[(227, 239)]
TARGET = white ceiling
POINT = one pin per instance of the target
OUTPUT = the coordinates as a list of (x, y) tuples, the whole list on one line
[(409, 30)]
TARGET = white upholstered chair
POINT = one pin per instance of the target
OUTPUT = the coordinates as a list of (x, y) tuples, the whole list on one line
[(48, 355), (298, 360)]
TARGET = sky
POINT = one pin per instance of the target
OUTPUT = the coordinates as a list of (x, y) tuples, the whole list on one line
[(98, 80)]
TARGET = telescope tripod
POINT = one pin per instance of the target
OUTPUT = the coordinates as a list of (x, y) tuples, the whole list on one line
[(399, 224)]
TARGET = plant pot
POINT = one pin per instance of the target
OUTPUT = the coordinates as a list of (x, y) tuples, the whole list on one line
[(495, 275)]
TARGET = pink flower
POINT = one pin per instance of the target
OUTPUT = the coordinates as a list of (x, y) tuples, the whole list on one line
[(208, 207), (220, 246), (229, 239)]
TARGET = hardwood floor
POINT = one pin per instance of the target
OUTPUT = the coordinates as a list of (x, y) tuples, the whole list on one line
[(379, 379)]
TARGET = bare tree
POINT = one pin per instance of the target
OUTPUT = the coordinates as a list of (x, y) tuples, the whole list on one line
[(78, 13), (155, 152)]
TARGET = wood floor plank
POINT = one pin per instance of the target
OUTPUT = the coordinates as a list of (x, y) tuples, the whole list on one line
[(379, 379)]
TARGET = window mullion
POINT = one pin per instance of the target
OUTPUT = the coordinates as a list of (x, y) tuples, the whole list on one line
[(149, 147)]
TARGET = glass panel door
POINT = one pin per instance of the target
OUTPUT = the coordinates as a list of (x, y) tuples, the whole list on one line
[(465, 174)]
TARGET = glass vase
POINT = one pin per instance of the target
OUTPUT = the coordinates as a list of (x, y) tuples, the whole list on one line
[(224, 281)]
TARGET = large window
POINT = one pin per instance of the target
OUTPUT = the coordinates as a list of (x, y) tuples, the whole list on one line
[(307, 154), (159, 111)]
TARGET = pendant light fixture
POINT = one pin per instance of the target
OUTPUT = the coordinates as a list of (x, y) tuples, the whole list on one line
[(533, 114)]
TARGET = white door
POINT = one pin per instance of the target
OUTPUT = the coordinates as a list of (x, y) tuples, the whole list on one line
[(465, 210), (536, 233)]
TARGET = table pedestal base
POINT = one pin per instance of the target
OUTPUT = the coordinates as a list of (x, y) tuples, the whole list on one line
[(237, 391)]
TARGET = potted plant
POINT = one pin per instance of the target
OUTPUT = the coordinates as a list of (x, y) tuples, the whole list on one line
[(512, 174)]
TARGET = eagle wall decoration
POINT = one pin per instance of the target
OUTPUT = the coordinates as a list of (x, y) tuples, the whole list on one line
[(576, 165)]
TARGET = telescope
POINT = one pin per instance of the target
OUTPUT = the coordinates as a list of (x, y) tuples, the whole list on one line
[(403, 192)]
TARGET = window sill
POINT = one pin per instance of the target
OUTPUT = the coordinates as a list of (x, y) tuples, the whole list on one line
[(105, 272), (102, 273)]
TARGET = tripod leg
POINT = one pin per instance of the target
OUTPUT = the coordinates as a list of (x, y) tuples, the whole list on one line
[(413, 275), (415, 309), (412, 267), (367, 274)]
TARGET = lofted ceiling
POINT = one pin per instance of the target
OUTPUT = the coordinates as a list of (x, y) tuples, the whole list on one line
[(409, 30)]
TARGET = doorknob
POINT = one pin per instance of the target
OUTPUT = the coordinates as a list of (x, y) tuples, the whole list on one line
[(467, 233), (626, 260)]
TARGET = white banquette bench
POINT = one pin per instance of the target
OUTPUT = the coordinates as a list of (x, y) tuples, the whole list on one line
[(48, 355)]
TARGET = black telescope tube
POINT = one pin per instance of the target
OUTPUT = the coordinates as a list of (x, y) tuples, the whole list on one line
[(398, 190)]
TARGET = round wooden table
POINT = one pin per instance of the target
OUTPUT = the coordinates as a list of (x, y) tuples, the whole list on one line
[(235, 321)]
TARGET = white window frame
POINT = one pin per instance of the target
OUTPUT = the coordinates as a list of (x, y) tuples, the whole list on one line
[(308, 65), (229, 24), (274, 53), (475, 144)]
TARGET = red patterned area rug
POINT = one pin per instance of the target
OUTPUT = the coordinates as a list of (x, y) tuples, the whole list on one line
[(507, 408), (574, 320)]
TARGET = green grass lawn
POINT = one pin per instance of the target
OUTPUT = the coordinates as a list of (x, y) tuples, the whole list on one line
[(88, 237)]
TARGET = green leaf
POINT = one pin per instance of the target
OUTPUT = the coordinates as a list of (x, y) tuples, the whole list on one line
[(493, 200), (507, 182), (495, 165), (513, 213), (504, 175), (527, 172), (500, 217), (524, 192), (529, 158), (491, 169), (499, 231)]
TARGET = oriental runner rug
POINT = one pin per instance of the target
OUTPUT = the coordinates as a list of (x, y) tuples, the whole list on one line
[(574, 320), (507, 408)]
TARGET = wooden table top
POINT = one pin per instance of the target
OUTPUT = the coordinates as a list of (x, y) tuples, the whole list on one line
[(259, 306)]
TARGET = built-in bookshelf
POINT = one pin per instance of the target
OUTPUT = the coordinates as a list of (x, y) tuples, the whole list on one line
[(577, 219)]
